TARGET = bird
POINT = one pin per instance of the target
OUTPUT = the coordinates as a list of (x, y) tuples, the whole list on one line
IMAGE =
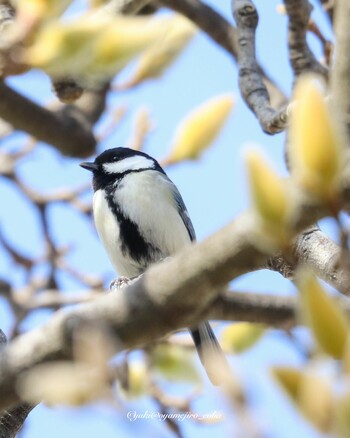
[(142, 219)]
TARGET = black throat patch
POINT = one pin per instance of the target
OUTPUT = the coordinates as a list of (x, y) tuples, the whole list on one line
[(133, 244)]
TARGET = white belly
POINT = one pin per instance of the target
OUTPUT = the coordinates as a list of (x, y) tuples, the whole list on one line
[(108, 230), (146, 200)]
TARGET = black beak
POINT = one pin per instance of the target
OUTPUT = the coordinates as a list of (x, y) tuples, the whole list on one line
[(89, 166)]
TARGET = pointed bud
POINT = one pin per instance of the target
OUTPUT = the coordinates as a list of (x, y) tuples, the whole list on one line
[(324, 316), (289, 378), (123, 39), (273, 202), (346, 357), (316, 400), (267, 188), (63, 383), (199, 129), (241, 336), (97, 3), (93, 47), (174, 363), (63, 49), (161, 55), (39, 9), (311, 394), (137, 380), (342, 415), (315, 148)]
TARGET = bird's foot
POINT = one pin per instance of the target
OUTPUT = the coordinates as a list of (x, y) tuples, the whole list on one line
[(121, 282)]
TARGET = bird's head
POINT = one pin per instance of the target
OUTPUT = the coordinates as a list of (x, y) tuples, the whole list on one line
[(113, 164)]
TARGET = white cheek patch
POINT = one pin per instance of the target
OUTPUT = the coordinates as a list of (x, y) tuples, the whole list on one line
[(131, 163)]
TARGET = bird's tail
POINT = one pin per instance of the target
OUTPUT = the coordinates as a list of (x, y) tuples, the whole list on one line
[(210, 353)]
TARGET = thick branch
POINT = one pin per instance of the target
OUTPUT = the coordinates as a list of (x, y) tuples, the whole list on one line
[(131, 315), (251, 82), (6, 14), (168, 297), (320, 254), (68, 129), (223, 33), (207, 19), (171, 295), (176, 293), (301, 57), (340, 79), (11, 421), (273, 310), (317, 251)]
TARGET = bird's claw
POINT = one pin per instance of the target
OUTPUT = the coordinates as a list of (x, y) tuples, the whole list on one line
[(121, 282)]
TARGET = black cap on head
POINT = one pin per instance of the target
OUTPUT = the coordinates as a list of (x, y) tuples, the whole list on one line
[(102, 178), (117, 154)]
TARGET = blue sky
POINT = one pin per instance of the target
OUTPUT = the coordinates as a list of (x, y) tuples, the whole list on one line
[(215, 191)]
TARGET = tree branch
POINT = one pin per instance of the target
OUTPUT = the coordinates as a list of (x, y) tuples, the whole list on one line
[(11, 421), (68, 129), (340, 79), (251, 83), (301, 58), (133, 324), (328, 6), (207, 19), (170, 295), (6, 13), (318, 252), (273, 310), (223, 33)]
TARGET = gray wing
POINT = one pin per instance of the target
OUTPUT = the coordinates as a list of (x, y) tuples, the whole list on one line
[(181, 208)]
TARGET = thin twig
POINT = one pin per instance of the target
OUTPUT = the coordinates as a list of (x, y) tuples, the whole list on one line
[(142, 127), (328, 7), (327, 45)]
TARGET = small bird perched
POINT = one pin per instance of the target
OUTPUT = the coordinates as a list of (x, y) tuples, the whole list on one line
[(141, 219)]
